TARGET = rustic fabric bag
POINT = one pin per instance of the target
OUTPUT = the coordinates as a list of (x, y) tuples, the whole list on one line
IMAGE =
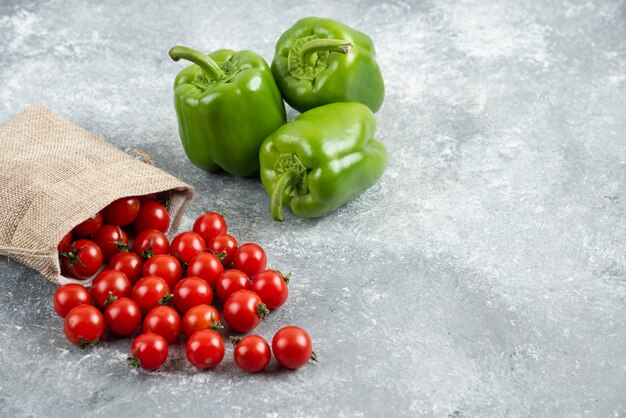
[(54, 175)]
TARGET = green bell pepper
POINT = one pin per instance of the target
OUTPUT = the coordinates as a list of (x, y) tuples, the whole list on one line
[(227, 103), (321, 160), (320, 61)]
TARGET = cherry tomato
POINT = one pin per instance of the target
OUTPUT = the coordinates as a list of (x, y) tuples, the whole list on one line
[(83, 259), (230, 282), (201, 317), (244, 310), (69, 296), (252, 353), (112, 240), (84, 325), (148, 351), (122, 211), (250, 258), (209, 225), (164, 266), (122, 317), (150, 292), (224, 246), (65, 242), (205, 349), (186, 245), (271, 286), (164, 321), (190, 292), (107, 283), (152, 215), (292, 347), (151, 242), (207, 267), (89, 226), (128, 263)]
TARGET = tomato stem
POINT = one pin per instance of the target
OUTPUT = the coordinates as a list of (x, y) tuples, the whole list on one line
[(165, 300), (262, 310), (313, 356), (216, 325), (112, 298), (134, 360), (235, 339)]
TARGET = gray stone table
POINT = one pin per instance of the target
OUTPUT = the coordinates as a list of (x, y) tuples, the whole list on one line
[(484, 275)]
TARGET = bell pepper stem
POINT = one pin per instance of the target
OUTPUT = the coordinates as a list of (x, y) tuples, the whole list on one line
[(330, 45), (208, 64), (287, 179)]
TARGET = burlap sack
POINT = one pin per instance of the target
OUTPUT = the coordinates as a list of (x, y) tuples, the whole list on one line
[(54, 175)]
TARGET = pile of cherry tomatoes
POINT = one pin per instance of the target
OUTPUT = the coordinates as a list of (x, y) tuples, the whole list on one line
[(165, 288)]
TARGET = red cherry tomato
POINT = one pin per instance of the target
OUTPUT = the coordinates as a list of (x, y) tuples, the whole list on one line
[(148, 351), (84, 326), (224, 246), (164, 266), (122, 211), (83, 259), (251, 259), (244, 310), (152, 215), (190, 292), (205, 349), (69, 296), (201, 317), (292, 347), (151, 242), (209, 225), (89, 226), (112, 240), (107, 283), (150, 292), (230, 282), (206, 266), (128, 263), (65, 242), (164, 321), (122, 317), (252, 353), (271, 286), (186, 245)]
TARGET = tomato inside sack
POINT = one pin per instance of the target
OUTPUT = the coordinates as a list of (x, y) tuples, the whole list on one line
[(112, 240), (152, 215), (122, 211), (89, 226), (83, 259)]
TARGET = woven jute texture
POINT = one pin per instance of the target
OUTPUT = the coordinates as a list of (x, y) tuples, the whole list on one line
[(54, 175)]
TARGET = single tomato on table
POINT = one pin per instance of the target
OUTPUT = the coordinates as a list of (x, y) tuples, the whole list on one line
[(150, 292), (148, 351), (151, 242), (250, 258), (187, 245), (128, 263), (122, 317), (164, 321), (225, 247), (230, 282), (206, 266), (292, 347), (205, 349), (69, 296), (164, 266), (244, 310), (251, 353), (84, 326), (209, 225), (201, 317), (110, 283)]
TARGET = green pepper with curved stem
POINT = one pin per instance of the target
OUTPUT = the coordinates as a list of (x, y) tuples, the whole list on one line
[(321, 160), (227, 103), (320, 61)]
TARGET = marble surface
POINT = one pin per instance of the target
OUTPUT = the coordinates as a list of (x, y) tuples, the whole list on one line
[(484, 275)]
